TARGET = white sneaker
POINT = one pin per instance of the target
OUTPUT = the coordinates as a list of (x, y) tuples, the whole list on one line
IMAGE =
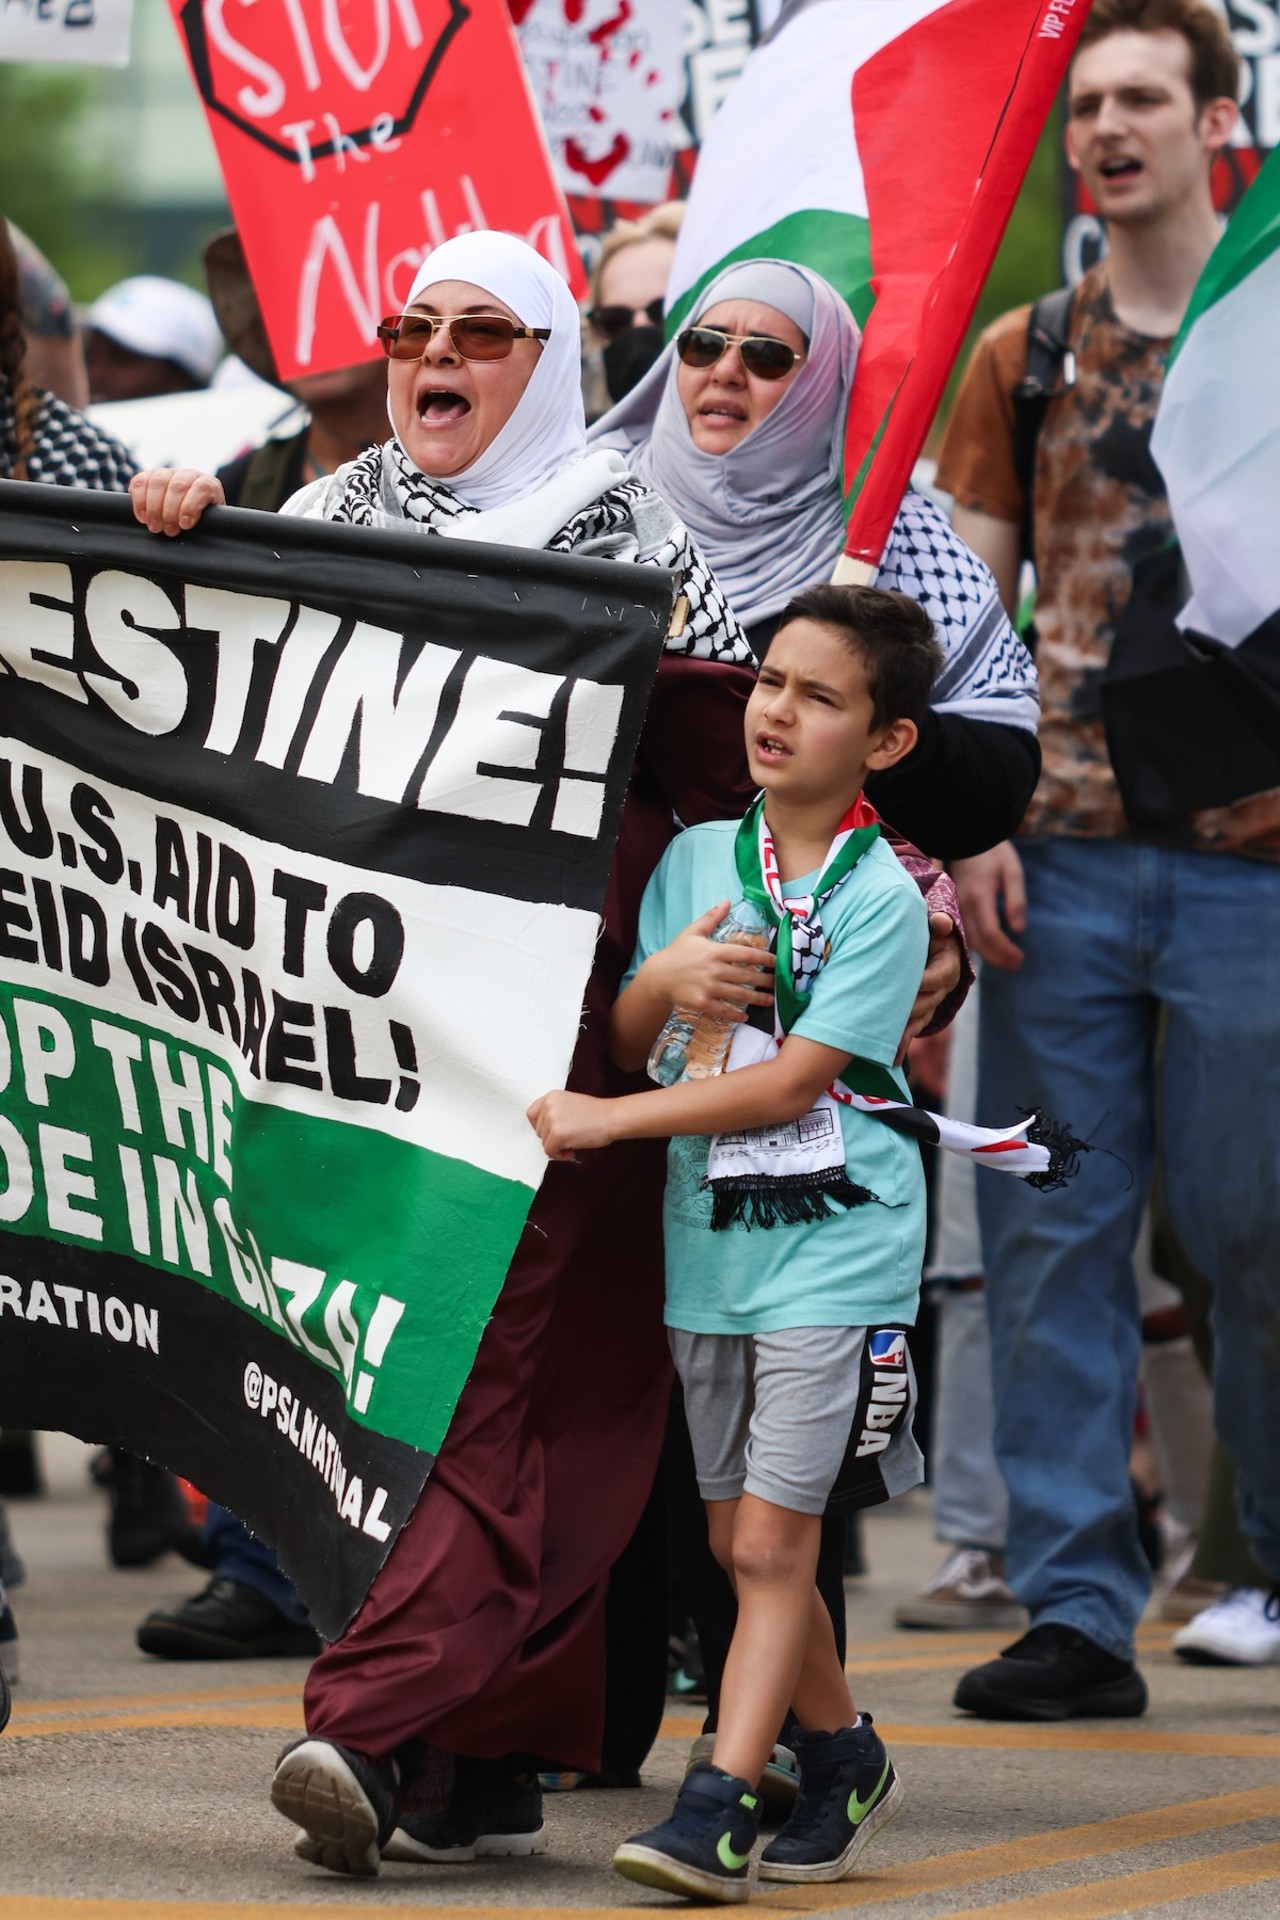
[(1241, 1630), (968, 1591)]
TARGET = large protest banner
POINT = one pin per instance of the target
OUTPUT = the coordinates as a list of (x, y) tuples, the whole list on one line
[(304, 831), (354, 139)]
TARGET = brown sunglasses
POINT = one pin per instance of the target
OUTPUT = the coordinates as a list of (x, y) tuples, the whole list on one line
[(475, 336), (761, 354)]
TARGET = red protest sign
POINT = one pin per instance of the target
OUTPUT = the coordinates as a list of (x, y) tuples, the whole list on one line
[(354, 136)]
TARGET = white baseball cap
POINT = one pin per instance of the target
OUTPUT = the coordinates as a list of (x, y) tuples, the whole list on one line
[(160, 318)]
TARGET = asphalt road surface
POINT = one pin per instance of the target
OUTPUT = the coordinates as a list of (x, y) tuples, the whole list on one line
[(134, 1789)]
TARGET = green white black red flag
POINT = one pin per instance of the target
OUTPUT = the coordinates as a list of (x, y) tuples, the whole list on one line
[(304, 832), (882, 144)]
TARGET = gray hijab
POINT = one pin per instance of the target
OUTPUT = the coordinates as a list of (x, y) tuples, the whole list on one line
[(769, 514)]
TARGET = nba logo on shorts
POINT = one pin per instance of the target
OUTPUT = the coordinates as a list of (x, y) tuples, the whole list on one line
[(887, 1348)]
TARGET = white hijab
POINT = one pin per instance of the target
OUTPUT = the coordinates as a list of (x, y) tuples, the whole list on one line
[(547, 431), (769, 514)]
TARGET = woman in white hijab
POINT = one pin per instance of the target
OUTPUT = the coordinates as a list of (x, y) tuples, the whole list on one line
[(482, 1634), (740, 424), (488, 438)]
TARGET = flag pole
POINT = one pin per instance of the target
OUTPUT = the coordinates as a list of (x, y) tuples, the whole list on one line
[(853, 573)]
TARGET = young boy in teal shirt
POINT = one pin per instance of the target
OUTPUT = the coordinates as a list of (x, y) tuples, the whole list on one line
[(794, 1235)]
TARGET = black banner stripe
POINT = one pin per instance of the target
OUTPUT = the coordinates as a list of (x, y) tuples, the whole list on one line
[(533, 609), (123, 1352)]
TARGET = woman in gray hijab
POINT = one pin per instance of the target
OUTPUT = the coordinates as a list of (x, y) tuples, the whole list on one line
[(740, 424)]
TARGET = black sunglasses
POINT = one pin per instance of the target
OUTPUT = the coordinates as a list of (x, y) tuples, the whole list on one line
[(761, 354), (609, 322), (475, 336)]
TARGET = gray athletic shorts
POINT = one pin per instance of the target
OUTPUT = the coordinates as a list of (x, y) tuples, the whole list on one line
[(803, 1418)]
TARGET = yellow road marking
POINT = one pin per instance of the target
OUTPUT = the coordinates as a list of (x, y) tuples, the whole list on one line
[(119, 1702), (1140, 1892), (1039, 1852), (1061, 1738), (954, 1649), (947, 1652), (281, 1710), (173, 1717), (946, 1872), (19, 1906), (1054, 1737)]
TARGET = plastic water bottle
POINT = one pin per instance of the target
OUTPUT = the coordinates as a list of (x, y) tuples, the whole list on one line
[(695, 1046)]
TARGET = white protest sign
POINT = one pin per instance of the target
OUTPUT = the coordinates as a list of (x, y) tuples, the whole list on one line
[(81, 32), (608, 80)]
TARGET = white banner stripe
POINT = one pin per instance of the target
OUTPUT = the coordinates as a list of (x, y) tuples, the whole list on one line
[(500, 1036)]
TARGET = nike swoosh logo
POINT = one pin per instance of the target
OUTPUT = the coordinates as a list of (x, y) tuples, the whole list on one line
[(727, 1857), (860, 1808)]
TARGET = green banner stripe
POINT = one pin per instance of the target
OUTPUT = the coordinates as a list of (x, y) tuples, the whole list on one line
[(1251, 237), (836, 245), (144, 1147)]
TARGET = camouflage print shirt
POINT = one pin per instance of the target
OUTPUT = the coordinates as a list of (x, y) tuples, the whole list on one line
[(1099, 507)]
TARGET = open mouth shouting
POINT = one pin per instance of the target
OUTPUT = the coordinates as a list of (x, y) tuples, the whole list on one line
[(438, 406), (771, 750), (1120, 166)]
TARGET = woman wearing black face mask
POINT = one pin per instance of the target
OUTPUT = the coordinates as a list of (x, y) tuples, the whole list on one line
[(627, 291)]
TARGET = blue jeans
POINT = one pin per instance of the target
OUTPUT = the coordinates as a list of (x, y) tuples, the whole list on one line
[(1116, 934), (237, 1554)]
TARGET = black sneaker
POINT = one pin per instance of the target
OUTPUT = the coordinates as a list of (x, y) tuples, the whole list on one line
[(12, 1571), (704, 1849), (8, 1640), (848, 1791), (19, 1466), (1053, 1673), (148, 1516), (779, 1782), (228, 1621), (4, 1701), (491, 1812), (347, 1804)]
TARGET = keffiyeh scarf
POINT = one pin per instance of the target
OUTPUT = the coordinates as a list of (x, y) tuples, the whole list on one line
[(67, 450), (784, 1175), (383, 485)]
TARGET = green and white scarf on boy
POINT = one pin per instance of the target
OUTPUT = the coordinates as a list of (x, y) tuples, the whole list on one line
[(788, 1174)]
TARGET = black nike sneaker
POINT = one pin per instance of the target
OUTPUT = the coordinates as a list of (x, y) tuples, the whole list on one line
[(703, 1851), (848, 1792)]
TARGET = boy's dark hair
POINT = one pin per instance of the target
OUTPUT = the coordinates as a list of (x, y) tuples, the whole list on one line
[(891, 633), (1215, 64)]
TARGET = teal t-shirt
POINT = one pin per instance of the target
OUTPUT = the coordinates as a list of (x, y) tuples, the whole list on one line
[(859, 1267)]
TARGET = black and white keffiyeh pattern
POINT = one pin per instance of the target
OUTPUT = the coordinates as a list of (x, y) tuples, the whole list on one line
[(711, 632), (987, 672), (67, 450)]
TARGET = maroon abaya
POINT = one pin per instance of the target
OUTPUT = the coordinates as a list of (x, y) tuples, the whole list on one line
[(483, 1634)]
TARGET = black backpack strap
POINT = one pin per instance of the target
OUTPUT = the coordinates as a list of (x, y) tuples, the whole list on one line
[(1050, 371)]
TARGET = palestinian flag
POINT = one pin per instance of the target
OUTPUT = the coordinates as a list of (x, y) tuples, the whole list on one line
[(1217, 432), (304, 834), (882, 144)]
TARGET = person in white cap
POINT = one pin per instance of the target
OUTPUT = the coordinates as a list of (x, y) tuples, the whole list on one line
[(147, 335)]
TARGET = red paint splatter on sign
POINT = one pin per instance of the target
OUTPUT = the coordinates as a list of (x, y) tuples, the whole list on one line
[(573, 11), (518, 10), (597, 171), (607, 28)]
